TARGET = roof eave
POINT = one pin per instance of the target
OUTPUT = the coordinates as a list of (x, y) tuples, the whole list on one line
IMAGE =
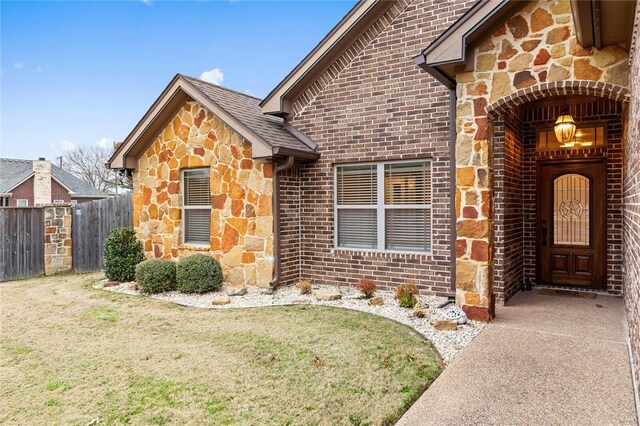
[(174, 95), (304, 156), (449, 51), (275, 103)]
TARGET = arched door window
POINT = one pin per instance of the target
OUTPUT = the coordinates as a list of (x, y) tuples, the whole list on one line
[(571, 204)]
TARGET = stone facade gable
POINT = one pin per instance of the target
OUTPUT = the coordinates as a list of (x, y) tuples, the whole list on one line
[(241, 190)]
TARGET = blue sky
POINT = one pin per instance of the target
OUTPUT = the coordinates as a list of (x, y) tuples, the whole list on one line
[(84, 73)]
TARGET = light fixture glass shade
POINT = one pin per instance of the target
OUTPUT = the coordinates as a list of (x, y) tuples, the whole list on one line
[(565, 128)]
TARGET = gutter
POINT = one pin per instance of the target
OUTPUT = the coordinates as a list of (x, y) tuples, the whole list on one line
[(453, 100), (276, 219)]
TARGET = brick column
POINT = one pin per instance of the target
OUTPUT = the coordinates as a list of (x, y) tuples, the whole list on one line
[(57, 238)]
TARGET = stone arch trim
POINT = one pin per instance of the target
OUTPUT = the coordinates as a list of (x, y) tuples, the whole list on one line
[(558, 88)]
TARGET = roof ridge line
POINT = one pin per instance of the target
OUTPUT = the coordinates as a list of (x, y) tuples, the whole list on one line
[(228, 89)]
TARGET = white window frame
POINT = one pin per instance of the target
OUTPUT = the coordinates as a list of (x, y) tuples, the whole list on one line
[(26, 202), (185, 207), (381, 207), (58, 201)]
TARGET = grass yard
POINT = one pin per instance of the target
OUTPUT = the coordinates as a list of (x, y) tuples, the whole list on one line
[(71, 354)]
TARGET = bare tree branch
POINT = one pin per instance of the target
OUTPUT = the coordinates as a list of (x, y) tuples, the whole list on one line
[(88, 164)]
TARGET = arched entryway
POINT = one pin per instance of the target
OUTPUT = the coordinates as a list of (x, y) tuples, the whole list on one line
[(557, 210)]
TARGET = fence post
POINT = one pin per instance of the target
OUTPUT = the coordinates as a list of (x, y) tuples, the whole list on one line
[(58, 254)]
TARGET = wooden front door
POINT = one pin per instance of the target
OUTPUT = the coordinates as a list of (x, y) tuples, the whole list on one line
[(572, 223)]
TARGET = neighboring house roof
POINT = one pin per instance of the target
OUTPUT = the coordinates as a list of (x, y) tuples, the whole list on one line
[(76, 186), (268, 136), (14, 172)]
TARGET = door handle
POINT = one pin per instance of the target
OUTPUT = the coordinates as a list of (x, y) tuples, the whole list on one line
[(543, 231)]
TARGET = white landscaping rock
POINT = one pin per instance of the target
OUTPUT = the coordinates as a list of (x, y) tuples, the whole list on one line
[(447, 343), (328, 295)]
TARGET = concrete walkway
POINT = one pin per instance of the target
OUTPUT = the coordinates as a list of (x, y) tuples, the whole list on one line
[(547, 359)]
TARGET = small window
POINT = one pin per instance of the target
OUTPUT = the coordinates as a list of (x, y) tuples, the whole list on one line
[(22, 203), (384, 206), (58, 201), (587, 136), (74, 202), (196, 206)]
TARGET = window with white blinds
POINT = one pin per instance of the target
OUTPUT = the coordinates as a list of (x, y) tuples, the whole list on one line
[(384, 206), (196, 206)]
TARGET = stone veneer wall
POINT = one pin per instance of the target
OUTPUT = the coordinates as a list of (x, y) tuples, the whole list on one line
[(632, 213), (57, 238), (241, 189), (379, 106), (536, 46)]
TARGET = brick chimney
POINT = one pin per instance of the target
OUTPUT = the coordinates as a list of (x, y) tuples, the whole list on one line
[(41, 181)]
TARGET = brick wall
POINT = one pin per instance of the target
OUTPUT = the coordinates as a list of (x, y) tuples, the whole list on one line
[(58, 192), (290, 226), (508, 201), (380, 106), (24, 191), (632, 213)]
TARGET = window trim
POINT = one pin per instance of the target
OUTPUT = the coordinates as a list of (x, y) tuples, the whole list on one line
[(582, 125), (380, 207), (26, 202), (58, 201), (183, 221)]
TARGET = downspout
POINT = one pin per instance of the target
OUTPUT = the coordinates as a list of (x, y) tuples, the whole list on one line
[(275, 199), (453, 100)]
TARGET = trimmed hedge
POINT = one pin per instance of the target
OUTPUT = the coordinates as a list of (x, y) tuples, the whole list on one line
[(156, 275), (122, 252), (198, 273)]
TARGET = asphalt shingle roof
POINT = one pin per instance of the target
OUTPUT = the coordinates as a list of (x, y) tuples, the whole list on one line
[(12, 172), (246, 109)]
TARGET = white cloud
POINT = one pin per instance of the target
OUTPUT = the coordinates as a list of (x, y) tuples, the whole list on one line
[(249, 92), (62, 146), (39, 69), (105, 143), (67, 145), (17, 65), (214, 76), (147, 2)]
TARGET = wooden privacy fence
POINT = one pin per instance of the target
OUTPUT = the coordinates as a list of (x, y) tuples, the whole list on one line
[(21, 242), (58, 237), (91, 225)]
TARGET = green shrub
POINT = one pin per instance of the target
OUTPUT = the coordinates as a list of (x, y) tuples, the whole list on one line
[(122, 252), (198, 273), (156, 275), (406, 295)]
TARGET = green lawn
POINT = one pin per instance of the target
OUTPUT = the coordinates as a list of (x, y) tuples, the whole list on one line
[(70, 354)]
